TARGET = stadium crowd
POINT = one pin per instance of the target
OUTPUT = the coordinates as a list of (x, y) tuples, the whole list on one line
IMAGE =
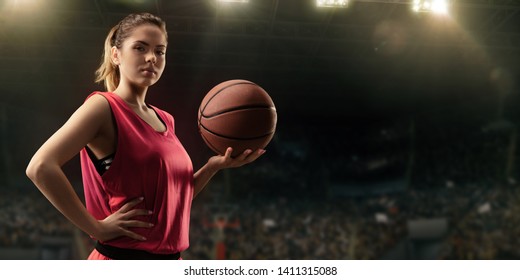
[(283, 208), (459, 173), (26, 218)]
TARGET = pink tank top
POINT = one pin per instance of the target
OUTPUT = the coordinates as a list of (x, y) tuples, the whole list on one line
[(148, 164)]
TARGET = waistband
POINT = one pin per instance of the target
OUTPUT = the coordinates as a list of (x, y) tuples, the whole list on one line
[(117, 253)]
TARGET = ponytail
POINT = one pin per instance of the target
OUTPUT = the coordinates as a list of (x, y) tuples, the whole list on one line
[(108, 72)]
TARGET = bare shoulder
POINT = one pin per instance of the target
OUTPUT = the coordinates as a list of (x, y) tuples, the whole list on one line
[(96, 104), (91, 116), (94, 114)]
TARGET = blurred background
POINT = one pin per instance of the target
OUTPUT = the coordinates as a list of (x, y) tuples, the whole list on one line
[(396, 136)]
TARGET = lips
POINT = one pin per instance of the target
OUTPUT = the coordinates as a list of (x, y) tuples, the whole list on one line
[(149, 71)]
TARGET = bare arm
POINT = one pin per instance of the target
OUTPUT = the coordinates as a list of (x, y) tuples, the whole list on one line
[(45, 170), (216, 163)]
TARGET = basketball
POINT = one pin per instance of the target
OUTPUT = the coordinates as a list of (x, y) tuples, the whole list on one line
[(238, 114)]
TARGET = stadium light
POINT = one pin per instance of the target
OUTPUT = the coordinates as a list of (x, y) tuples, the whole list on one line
[(434, 6), (332, 3), (234, 1), (11, 9)]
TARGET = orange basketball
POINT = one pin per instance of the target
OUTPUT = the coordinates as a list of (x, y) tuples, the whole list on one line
[(238, 114)]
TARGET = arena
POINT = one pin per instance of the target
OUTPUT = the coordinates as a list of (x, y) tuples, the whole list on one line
[(396, 136)]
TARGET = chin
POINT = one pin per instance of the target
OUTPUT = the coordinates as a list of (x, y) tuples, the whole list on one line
[(147, 83)]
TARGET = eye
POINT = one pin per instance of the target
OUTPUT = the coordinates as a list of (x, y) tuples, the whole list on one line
[(160, 52), (139, 48)]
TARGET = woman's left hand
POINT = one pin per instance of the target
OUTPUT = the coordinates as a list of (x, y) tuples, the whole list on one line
[(216, 163), (226, 161)]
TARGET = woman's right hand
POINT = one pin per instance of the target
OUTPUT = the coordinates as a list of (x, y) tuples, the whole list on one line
[(118, 223)]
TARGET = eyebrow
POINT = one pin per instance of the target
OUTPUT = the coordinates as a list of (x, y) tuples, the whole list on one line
[(146, 44)]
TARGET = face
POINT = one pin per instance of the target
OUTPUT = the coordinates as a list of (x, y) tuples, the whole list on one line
[(142, 56)]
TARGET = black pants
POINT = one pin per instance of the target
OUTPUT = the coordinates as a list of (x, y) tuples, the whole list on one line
[(132, 254)]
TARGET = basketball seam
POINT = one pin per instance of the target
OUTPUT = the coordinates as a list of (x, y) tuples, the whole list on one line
[(219, 91), (235, 138), (210, 144), (238, 108)]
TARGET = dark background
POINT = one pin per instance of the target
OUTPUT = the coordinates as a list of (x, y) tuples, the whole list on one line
[(329, 67), (343, 80)]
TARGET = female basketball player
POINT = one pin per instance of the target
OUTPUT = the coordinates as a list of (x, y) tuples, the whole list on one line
[(138, 179)]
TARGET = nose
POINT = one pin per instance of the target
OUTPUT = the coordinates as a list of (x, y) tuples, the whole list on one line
[(151, 58)]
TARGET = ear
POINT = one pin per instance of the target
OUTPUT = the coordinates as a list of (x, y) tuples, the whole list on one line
[(114, 55)]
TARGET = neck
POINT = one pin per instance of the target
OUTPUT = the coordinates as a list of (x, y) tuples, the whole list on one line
[(133, 96)]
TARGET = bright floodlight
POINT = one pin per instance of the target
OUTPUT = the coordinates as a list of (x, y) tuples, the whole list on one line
[(435, 6), (332, 3), (236, 1)]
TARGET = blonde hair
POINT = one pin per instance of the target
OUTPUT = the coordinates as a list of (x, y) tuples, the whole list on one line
[(108, 72)]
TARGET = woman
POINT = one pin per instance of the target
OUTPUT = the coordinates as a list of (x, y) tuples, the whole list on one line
[(138, 178)]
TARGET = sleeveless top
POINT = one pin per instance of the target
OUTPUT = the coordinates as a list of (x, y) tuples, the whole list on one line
[(148, 164)]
